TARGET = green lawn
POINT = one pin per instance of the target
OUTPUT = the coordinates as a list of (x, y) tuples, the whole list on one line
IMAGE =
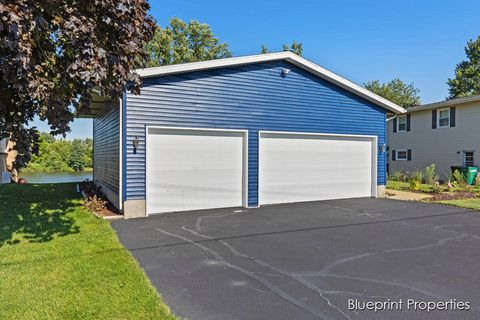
[(405, 186), (473, 203), (58, 261)]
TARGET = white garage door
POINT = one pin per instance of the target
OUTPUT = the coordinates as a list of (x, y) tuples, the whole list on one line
[(194, 169), (309, 167)]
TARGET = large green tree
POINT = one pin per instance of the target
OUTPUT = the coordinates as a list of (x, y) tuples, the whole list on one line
[(397, 91), (61, 155), (53, 53), (182, 42), (78, 156), (467, 72)]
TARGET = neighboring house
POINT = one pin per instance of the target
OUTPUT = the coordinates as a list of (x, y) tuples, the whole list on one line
[(7, 156), (235, 132), (443, 133)]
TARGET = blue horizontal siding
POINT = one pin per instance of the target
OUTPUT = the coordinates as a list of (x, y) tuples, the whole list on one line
[(253, 97), (106, 147)]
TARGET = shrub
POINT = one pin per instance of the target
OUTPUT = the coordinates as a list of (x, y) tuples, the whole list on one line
[(435, 187), (95, 204), (429, 175), (416, 180), (459, 178), (401, 176)]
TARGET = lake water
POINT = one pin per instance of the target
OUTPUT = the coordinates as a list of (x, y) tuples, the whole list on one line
[(56, 177)]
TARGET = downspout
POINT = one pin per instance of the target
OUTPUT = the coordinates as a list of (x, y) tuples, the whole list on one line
[(394, 117)]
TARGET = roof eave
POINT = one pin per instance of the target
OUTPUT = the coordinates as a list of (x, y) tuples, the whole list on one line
[(446, 103)]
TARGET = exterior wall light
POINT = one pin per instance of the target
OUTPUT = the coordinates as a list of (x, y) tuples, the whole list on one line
[(285, 72), (136, 143)]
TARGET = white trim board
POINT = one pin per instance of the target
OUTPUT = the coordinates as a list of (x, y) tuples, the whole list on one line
[(401, 150), (398, 123), (284, 55), (120, 157), (438, 118), (244, 134)]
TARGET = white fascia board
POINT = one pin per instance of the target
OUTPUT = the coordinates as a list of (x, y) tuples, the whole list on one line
[(210, 64), (284, 55)]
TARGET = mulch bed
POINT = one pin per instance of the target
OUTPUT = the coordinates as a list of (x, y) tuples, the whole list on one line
[(89, 189), (453, 196), (110, 210)]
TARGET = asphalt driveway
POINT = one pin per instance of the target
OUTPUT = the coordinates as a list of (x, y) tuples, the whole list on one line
[(311, 260)]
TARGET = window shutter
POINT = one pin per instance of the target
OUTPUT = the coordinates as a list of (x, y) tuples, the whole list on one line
[(394, 153), (452, 116), (394, 125), (434, 119), (408, 122), (409, 155)]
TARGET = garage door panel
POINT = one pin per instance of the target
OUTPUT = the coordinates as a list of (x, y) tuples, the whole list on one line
[(190, 170), (297, 168)]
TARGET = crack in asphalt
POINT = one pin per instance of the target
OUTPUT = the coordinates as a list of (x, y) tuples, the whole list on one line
[(282, 272), (325, 272), (376, 281), (439, 243), (300, 277), (251, 275), (318, 228), (198, 224), (350, 293)]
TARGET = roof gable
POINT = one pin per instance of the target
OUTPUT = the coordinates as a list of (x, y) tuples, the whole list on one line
[(285, 55)]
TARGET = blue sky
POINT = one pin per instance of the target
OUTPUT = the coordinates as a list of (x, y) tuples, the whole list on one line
[(418, 41)]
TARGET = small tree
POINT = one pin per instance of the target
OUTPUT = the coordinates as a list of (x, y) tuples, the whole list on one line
[(467, 73), (184, 42), (397, 91), (264, 50), (295, 47), (430, 175)]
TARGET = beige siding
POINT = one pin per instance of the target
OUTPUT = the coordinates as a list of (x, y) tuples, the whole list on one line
[(442, 146), (7, 155), (12, 154)]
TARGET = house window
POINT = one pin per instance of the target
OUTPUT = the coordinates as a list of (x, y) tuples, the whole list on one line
[(402, 123), (468, 158), (444, 118), (402, 154)]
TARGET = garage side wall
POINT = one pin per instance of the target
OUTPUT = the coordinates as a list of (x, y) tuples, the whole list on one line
[(106, 148), (252, 97)]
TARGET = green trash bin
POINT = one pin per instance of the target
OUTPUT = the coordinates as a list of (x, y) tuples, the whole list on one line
[(470, 174)]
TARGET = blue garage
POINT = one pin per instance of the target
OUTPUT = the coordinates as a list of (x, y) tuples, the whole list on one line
[(239, 132)]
